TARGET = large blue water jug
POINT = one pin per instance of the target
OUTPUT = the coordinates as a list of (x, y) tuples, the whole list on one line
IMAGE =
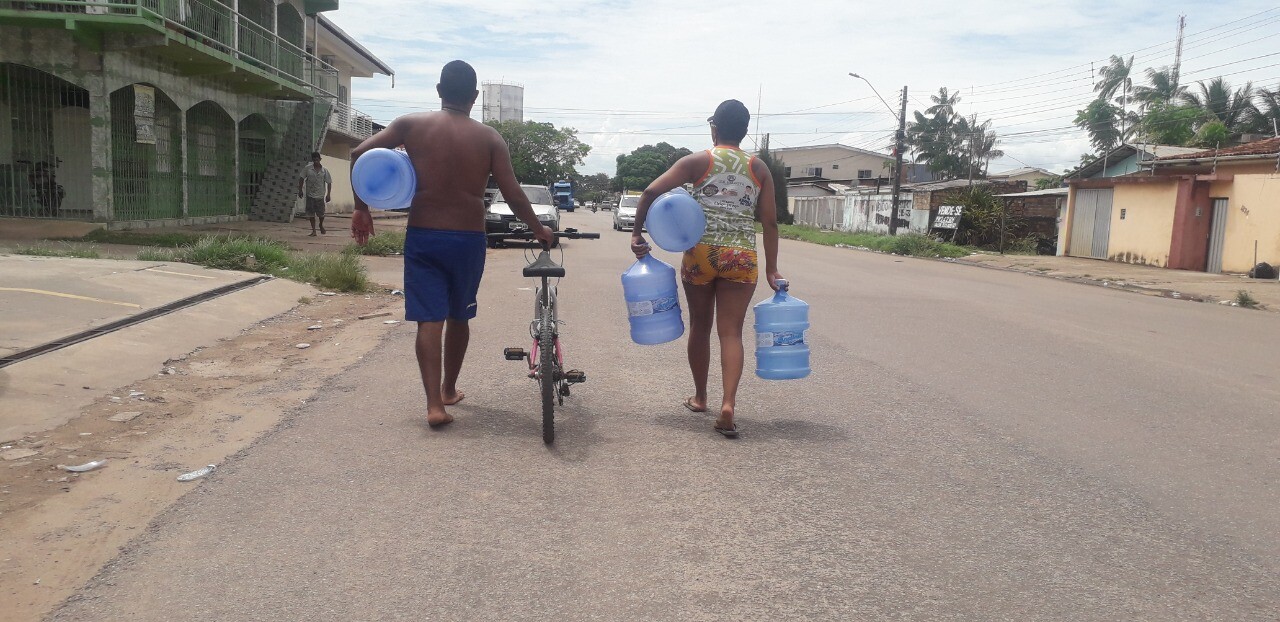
[(676, 221), (782, 337), (653, 306), (384, 179)]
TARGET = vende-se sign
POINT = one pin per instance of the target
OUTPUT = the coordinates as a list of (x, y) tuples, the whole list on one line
[(948, 217)]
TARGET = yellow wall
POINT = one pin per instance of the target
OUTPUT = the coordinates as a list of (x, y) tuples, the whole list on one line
[(1144, 235), (1253, 213)]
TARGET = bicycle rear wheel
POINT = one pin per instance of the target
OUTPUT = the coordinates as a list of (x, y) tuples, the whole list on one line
[(547, 375)]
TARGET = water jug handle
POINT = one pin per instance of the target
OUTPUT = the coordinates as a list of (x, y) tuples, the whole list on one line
[(783, 284)]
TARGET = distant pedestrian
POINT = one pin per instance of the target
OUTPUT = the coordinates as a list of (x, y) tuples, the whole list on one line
[(316, 185)]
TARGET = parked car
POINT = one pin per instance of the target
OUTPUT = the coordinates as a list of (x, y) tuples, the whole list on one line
[(499, 218), (624, 218)]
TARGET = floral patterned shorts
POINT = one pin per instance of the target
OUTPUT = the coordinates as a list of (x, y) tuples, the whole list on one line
[(705, 263)]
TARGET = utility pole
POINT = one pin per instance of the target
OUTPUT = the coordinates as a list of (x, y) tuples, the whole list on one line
[(1177, 55), (898, 146)]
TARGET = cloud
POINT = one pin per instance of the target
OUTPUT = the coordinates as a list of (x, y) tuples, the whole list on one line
[(628, 73)]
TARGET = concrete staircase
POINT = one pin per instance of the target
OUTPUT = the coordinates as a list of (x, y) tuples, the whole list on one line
[(277, 197)]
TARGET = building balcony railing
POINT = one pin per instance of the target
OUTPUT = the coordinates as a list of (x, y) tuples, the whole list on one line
[(350, 121), (202, 22)]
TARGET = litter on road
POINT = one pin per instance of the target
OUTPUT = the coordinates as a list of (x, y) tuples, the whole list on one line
[(83, 468), (197, 474), (392, 322), (370, 316), (303, 346), (315, 327)]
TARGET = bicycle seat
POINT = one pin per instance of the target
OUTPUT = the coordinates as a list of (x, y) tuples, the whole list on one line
[(544, 266)]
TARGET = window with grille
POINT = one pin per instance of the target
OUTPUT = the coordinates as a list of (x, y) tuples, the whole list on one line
[(864, 173)]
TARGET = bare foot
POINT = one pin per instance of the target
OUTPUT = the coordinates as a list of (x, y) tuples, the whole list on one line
[(450, 400), (438, 418), (696, 405)]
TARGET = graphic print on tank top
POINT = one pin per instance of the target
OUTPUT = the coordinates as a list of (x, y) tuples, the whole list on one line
[(728, 195)]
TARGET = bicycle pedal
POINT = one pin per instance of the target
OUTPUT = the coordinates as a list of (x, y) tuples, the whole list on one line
[(575, 376), (514, 354)]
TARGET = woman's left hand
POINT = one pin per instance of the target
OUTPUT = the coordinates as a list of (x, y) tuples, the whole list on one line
[(777, 281)]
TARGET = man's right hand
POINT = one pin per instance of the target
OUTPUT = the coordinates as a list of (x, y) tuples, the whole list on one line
[(545, 235), (361, 226)]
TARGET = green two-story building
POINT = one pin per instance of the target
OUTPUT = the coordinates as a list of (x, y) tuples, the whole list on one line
[(142, 113)]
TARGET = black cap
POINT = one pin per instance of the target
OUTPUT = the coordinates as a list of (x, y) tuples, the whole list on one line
[(731, 118)]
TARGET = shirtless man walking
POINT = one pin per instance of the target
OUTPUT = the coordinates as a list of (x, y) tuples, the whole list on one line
[(444, 246)]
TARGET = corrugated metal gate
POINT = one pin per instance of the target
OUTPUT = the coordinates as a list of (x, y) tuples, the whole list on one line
[(1091, 223), (1217, 236)]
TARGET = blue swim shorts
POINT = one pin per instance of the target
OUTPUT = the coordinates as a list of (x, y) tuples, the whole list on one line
[(442, 271)]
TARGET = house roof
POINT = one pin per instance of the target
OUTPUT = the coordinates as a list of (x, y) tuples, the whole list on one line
[(1026, 170), (831, 146), (355, 46), (1048, 192), (1124, 151), (1262, 148)]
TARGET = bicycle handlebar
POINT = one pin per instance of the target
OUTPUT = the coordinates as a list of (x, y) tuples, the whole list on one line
[(572, 234)]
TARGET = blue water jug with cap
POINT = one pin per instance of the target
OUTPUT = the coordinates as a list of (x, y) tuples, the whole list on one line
[(653, 306), (782, 336)]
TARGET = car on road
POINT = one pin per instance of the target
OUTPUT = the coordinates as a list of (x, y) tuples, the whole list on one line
[(499, 218), (625, 216)]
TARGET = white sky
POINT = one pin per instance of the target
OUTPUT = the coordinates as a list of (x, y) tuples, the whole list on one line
[(625, 73)]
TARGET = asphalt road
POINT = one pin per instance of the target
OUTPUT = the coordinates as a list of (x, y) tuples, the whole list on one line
[(972, 445)]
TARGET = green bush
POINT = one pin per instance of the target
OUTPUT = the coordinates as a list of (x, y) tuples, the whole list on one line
[(912, 244)]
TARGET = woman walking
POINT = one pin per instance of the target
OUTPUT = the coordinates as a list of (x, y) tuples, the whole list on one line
[(720, 273)]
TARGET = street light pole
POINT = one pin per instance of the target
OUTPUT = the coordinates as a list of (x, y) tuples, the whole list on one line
[(900, 139), (898, 145)]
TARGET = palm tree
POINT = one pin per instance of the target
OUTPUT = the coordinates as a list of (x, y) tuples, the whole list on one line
[(1267, 118), (1101, 119), (1115, 77), (1164, 88), (944, 104), (1234, 109)]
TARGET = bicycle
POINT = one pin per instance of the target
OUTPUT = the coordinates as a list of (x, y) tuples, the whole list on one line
[(546, 359)]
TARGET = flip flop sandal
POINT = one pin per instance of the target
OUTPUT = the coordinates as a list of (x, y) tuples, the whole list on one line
[(728, 432), (688, 403)]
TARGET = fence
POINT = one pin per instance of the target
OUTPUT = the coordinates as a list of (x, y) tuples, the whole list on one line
[(350, 121), (45, 167), (850, 212)]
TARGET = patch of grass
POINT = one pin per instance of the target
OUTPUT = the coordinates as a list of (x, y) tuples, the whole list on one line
[(333, 271), (342, 272), (135, 238), (237, 253), (381, 244), (304, 300), (912, 244), (45, 250), (1246, 300)]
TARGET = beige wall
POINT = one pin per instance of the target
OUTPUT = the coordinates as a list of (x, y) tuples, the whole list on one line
[(340, 170), (1144, 236), (1253, 214), (849, 162)]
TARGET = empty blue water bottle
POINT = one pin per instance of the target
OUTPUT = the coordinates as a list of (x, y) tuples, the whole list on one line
[(384, 179), (782, 337), (653, 306)]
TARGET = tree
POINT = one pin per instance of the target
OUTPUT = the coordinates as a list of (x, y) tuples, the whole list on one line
[(1164, 89), (948, 142), (1234, 109), (1170, 123), (1212, 135), (1101, 119), (639, 168), (591, 187), (1268, 117), (1115, 77), (777, 172), (1047, 183), (540, 153)]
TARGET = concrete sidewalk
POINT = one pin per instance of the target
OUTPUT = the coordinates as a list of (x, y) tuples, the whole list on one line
[(1181, 284)]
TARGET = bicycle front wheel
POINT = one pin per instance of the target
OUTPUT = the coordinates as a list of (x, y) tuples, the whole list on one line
[(547, 367)]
